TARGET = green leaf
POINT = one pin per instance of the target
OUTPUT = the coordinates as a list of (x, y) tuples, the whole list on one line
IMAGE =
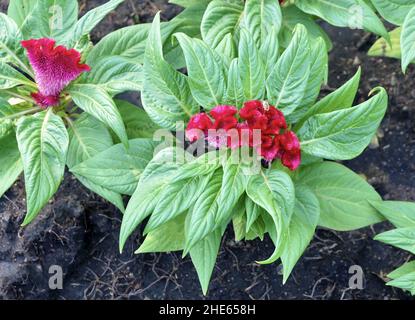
[(137, 123), (341, 98), (175, 199), (95, 101), (233, 186), (318, 74), (269, 51), (406, 282), (401, 214), (10, 36), (10, 77), (261, 17), (87, 138), (226, 49), (118, 169), (201, 166), (90, 20), (166, 95), (10, 162), (381, 48), (53, 19), (394, 11), (20, 10), (403, 238), (201, 221), (206, 75), (291, 16), (302, 227), (288, 79), (343, 195), (251, 68), (168, 237), (116, 75), (220, 18), (343, 134), (156, 176), (235, 92), (43, 144), (239, 219), (253, 211), (354, 14), (408, 40), (204, 254), (406, 268), (274, 191)]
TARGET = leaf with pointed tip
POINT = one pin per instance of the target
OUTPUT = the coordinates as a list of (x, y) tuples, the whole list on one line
[(343, 134), (95, 101), (274, 191), (220, 18), (156, 176), (400, 213), (43, 144), (207, 80), (204, 254), (260, 17), (302, 227), (201, 221), (287, 82), (166, 95), (251, 68), (403, 238)]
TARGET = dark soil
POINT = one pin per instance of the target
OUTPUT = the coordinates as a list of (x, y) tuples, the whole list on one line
[(79, 231)]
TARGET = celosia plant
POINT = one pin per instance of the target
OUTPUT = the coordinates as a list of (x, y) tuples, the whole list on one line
[(56, 89), (256, 101)]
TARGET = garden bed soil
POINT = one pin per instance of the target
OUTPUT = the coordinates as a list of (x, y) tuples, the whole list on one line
[(79, 231)]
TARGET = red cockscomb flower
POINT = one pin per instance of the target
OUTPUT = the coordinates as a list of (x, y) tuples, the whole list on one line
[(291, 150), (198, 125), (261, 115), (54, 68), (273, 140)]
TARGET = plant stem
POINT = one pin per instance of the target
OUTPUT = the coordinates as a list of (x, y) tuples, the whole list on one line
[(16, 95), (19, 114)]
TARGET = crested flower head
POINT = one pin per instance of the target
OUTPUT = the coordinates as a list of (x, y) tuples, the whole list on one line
[(263, 127), (54, 67)]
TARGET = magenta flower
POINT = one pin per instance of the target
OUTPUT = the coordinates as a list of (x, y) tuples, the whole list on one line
[(54, 68)]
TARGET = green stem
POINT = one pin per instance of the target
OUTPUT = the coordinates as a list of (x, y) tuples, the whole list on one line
[(16, 95), (19, 114)]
